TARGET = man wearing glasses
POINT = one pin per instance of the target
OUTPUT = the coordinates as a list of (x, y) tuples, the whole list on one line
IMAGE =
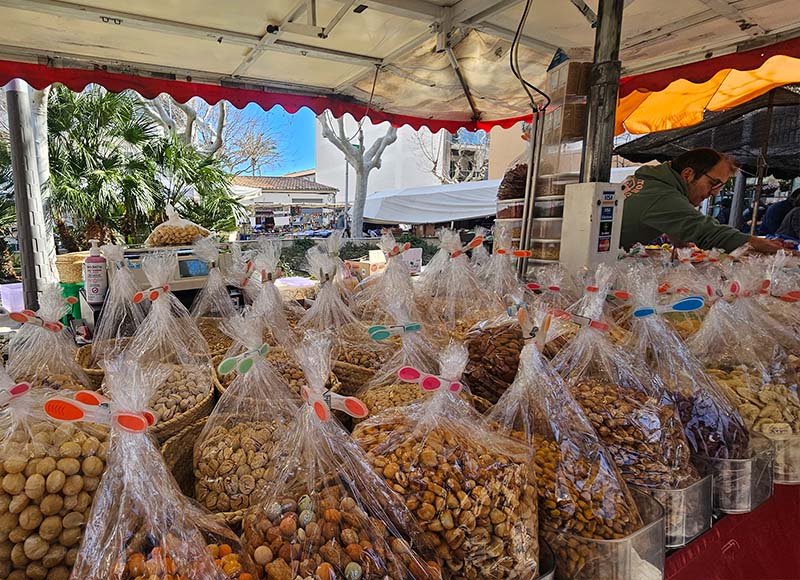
[(663, 199)]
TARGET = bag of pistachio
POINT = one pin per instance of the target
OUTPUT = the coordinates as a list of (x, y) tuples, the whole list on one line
[(713, 427), (472, 489), (324, 512), (231, 453), (213, 303), (43, 352), (634, 416), (49, 474), (141, 525), (581, 493)]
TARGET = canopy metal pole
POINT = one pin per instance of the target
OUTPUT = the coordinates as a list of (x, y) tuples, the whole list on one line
[(762, 162), (32, 230), (535, 135), (737, 204), (605, 76)]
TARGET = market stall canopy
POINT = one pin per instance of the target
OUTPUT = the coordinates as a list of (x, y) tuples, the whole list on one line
[(740, 132), (324, 54), (433, 204), (654, 106)]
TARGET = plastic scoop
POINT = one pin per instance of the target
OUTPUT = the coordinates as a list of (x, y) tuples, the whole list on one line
[(70, 411), (689, 304), (381, 332)]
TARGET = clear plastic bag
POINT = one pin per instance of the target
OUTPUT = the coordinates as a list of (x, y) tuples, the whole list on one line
[(324, 512), (268, 301), (634, 416), (42, 352), (479, 257), (141, 525), (49, 475), (176, 231), (713, 427), (679, 279), (232, 451), (120, 317), (213, 303), (499, 272), (581, 492), (239, 271), (472, 489), (343, 280), (169, 335)]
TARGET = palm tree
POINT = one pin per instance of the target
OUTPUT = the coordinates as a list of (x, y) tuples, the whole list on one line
[(8, 212)]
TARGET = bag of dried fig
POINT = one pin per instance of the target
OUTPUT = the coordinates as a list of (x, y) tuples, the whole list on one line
[(472, 489), (232, 451), (713, 427), (581, 493), (141, 525), (49, 474), (633, 415), (213, 303), (324, 512), (268, 301), (169, 335), (42, 352), (175, 231)]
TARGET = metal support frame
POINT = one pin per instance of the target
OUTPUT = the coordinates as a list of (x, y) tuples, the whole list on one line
[(535, 137), (476, 115), (762, 162), (605, 76), (737, 203), (586, 10), (732, 13)]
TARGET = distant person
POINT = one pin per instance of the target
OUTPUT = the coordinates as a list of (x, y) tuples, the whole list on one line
[(775, 214), (790, 226), (724, 215)]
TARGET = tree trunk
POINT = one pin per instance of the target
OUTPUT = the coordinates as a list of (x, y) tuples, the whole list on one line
[(357, 229), (67, 239)]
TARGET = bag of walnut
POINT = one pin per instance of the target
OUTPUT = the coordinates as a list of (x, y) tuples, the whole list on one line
[(49, 474), (268, 301), (713, 427), (231, 453), (471, 488), (43, 352), (175, 231), (324, 512), (633, 415), (168, 335), (213, 303), (141, 525), (581, 492)]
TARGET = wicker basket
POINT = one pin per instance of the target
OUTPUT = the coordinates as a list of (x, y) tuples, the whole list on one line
[(83, 357), (70, 267), (165, 430), (178, 452), (352, 377)]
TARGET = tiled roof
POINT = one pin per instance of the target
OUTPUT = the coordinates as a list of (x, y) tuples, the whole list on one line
[(282, 184)]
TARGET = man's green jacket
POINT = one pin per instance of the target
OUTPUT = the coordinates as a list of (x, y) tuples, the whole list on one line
[(657, 202)]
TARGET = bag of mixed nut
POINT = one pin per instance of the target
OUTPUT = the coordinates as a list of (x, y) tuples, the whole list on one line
[(324, 512), (49, 473), (581, 492), (168, 335), (141, 525), (213, 303), (175, 231), (268, 301), (42, 352), (713, 427), (472, 489), (231, 453), (633, 415)]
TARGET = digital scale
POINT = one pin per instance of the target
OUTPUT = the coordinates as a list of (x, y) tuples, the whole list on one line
[(591, 226)]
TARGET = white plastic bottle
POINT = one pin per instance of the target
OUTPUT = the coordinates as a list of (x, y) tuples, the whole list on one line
[(95, 274)]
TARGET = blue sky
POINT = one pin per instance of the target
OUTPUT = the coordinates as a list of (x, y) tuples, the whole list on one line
[(294, 133)]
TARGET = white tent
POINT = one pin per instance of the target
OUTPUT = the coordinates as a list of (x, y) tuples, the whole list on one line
[(433, 204)]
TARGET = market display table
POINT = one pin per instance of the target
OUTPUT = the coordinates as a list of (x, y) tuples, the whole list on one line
[(761, 545)]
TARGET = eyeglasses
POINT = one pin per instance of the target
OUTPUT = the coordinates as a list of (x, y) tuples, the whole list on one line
[(715, 183)]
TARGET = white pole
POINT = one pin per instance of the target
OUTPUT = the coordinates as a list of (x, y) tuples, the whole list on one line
[(346, 191)]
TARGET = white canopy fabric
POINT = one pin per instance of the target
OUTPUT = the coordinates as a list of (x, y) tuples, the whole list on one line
[(433, 204)]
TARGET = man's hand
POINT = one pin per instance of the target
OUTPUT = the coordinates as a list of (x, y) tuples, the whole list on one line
[(766, 246)]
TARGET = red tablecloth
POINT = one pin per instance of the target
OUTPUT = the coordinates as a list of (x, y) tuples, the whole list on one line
[(761, 545)]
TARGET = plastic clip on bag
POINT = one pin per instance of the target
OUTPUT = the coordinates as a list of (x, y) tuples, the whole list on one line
[(480, 256), (332, 246), (325, 513), (633, 415), (471, 489), (43, 353), (176, 231), (499, 273), (232, 451), (48, 476), (169, 335), (268, 302), (141, 526), (581, 493), (213, 303)]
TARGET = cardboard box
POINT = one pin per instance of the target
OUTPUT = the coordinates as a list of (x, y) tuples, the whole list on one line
[(376, 263)]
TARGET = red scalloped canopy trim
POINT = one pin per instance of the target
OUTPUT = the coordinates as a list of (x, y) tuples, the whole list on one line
[(702, 71), (40, 76)]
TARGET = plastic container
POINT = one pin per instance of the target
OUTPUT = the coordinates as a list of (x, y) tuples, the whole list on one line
[(12, 297), (72, 291), (510, 208), (95, 274), (545, 249), (515, 224), (639, 556), (787, 458), (548, 207), (741, 485), (546, 228), (687, 512)]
